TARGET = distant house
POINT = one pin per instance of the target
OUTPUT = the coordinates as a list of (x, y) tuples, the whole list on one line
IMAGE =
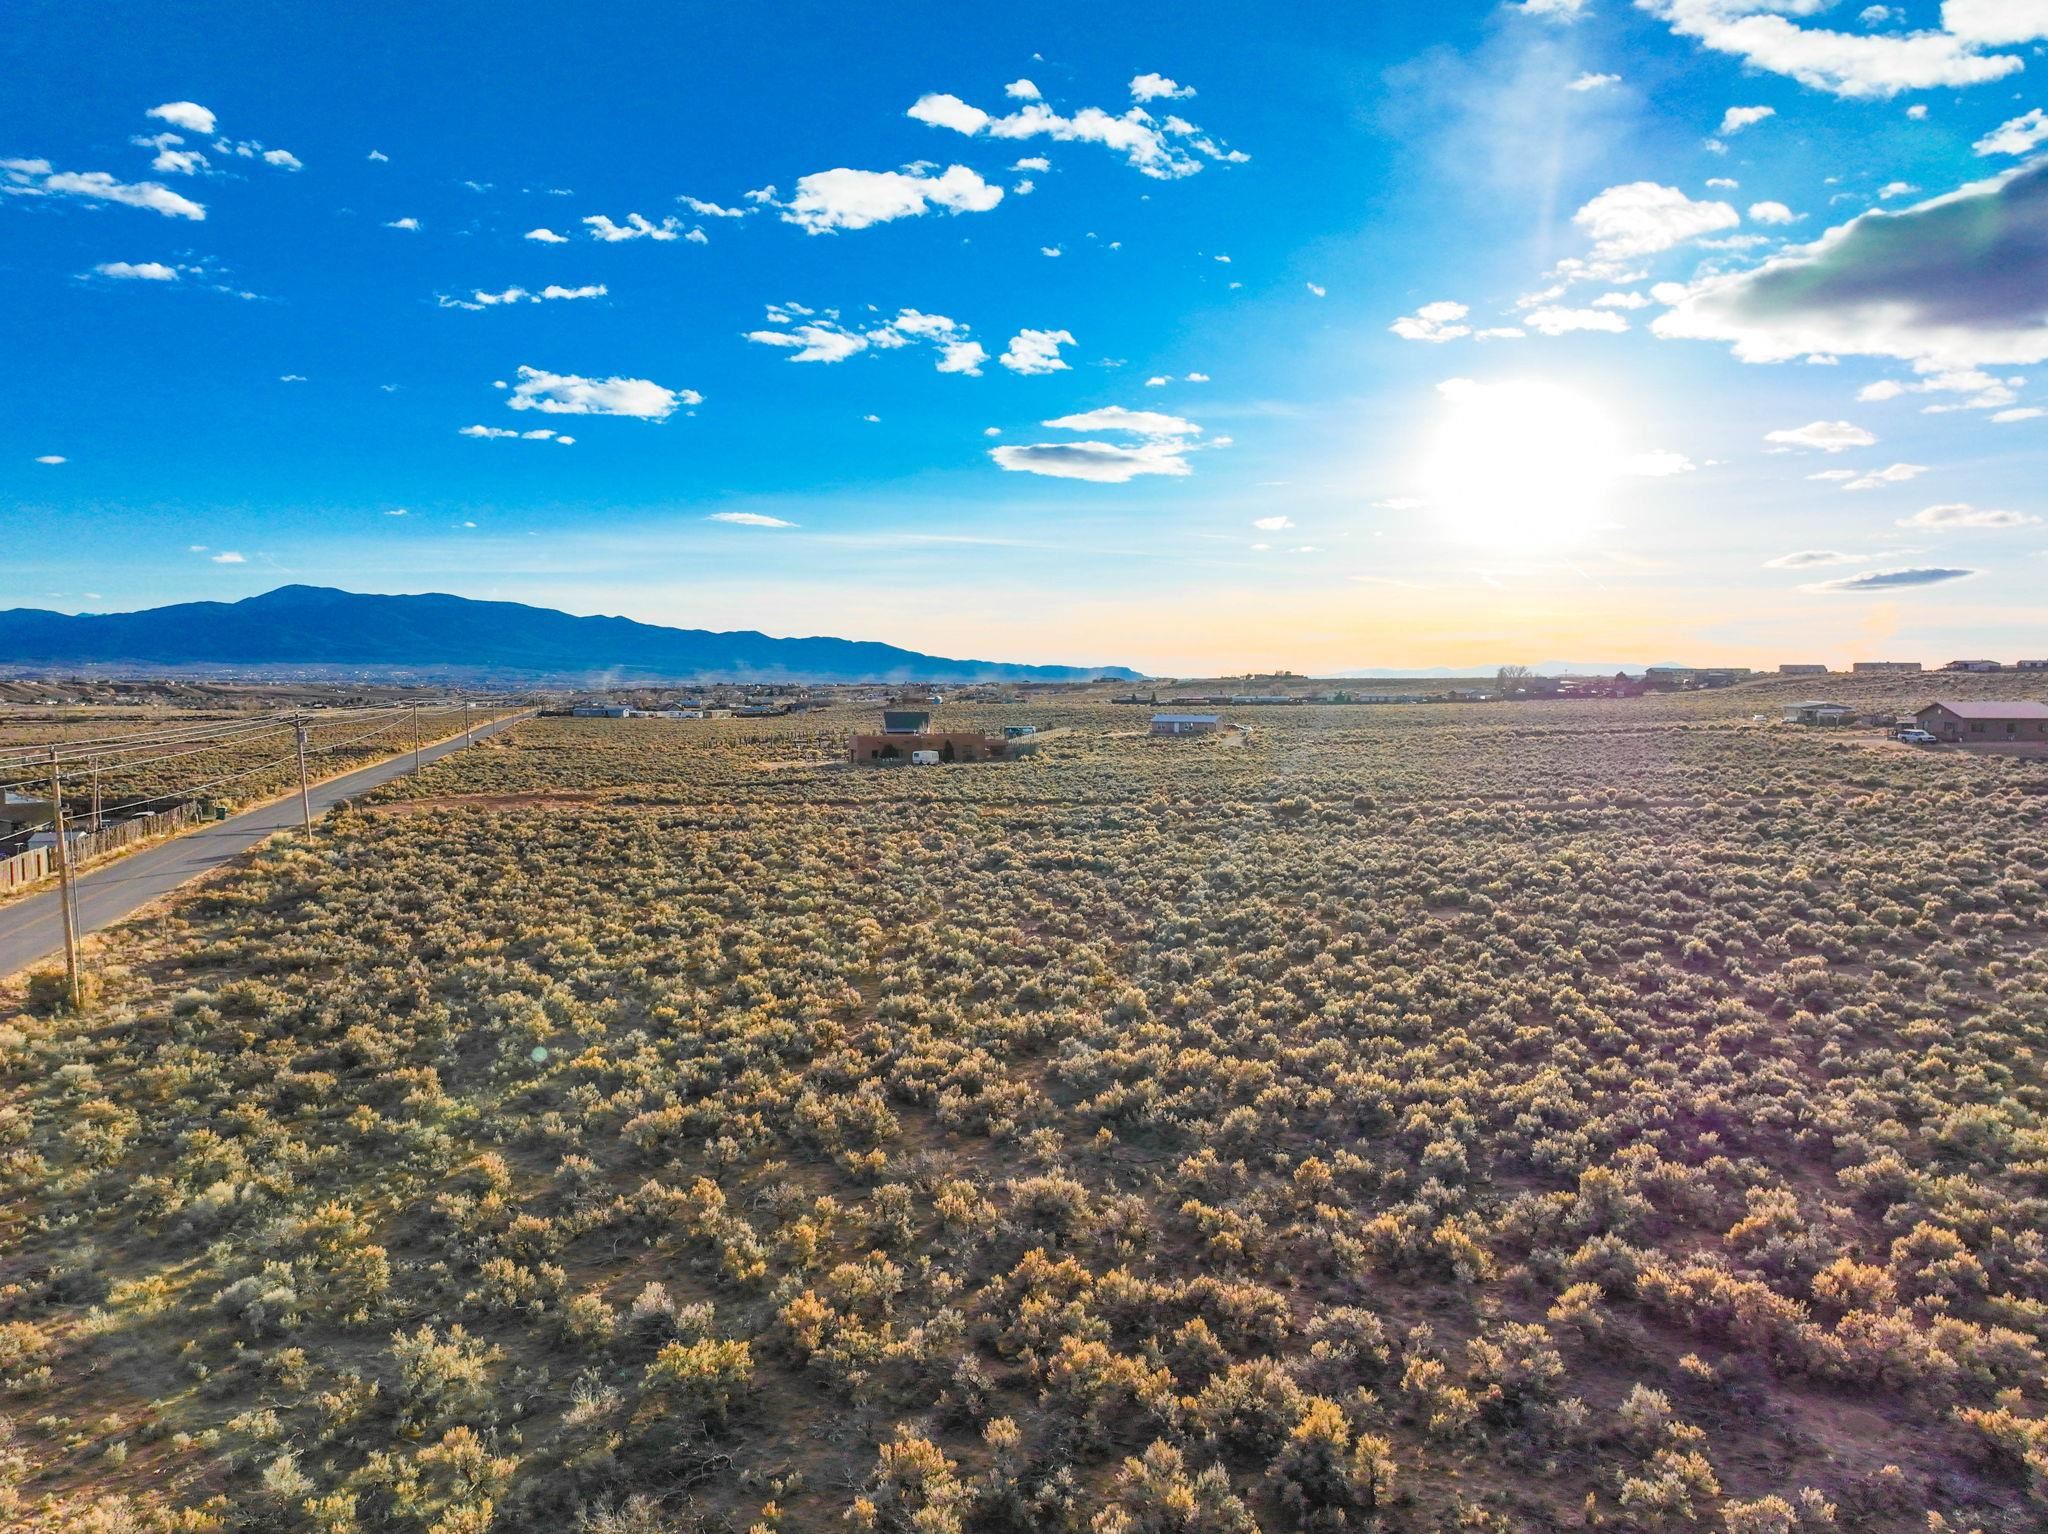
[(1674, 678), (20, 811), (1865, 667), (907, 736), (2030, 665), (1186, 724), (893, 747), (1973, 665), (1819, 711), (1802, 668), (1985, 724)]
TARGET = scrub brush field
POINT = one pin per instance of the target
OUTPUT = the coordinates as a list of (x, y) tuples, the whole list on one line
[(1614, 1115)]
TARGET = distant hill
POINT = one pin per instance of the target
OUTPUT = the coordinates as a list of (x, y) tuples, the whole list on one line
[(320, 627)]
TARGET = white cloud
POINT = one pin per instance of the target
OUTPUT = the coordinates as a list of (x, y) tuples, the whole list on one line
[(1985, 391), (189, 115), (567, 394), (1035, 162), (1021, 90), (552, 293), (1773, 213), (748, 518), (941, 109), (2020, 135), (1891, 580), (53, 459), (812, 343), (1556, 322), (1106, 463), (283, 159), (1555, 10), (1735, 119), (1642, 218), (1877, 479), (398, 511), (137, 271), (813, 337), (2024, 413), (411, 224), (1158, 88), (1161, 449), (1196, 378), (1828, 436), (1036, 351), (1954, 282), (1621, 301), (703, 209), (1660, 463), (380, 156), (636, 227), (546, 236), (855, 199), (506, 433), (1592, 82), (169, 158), (1995, 23), (1962, 514), (1840, 63), (1806, 559), (35, 178), (1892, 189), (229, 557), (1272, 524), (960, 356), (1142, 423), (1436, 322), (1318, 289), (1163, 148)]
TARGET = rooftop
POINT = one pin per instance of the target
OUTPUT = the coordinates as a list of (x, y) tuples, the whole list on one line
[(1991, 710)]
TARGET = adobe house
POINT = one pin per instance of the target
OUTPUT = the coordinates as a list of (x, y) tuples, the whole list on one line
[(952, 746), (1985, 724), (908, 730)]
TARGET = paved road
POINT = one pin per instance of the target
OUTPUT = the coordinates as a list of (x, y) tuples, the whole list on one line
[(34, 927)]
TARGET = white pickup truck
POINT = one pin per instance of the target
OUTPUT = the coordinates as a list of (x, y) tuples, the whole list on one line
[(1917, 738)]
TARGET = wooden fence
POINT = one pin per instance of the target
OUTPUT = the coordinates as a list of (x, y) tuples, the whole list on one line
[(40, 863)]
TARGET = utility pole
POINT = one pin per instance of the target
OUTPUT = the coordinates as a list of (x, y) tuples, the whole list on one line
[(468, 730), (95, 795), (64, 896), (305, 802), (415, 737)]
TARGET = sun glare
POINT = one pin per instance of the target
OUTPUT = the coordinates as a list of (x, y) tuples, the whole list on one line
[(1522, 462)]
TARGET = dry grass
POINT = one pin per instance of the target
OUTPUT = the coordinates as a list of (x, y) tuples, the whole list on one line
[(1487, 1118)]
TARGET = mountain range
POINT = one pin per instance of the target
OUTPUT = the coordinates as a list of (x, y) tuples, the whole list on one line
[(319, 627)]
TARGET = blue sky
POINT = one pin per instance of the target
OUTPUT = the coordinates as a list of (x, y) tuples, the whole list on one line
[(1686, 329)]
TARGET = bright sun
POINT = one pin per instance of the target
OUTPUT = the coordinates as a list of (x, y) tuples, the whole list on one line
[(1520, 462)]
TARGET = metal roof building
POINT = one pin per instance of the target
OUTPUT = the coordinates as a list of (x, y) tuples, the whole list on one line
[(1983, 724)]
